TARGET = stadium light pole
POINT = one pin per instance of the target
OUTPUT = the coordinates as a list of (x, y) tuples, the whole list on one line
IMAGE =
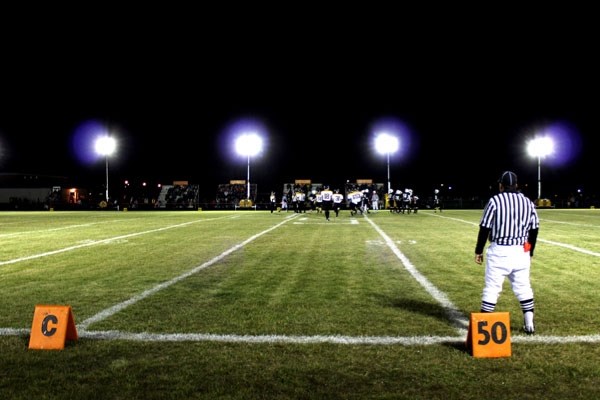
[(540, 147), (105, 146), (248, 144), (387, 144)]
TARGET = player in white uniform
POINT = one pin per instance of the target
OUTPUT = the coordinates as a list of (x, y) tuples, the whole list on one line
[(355, 199), (326, 201), (272, 202), (337, 201)]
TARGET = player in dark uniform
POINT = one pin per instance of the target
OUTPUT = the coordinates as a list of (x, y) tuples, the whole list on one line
[(396, 202), (365, 202), (406, 201), (510, 222), (300, 197)]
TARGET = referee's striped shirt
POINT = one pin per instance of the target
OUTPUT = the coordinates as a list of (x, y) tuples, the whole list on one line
[(509, 216)]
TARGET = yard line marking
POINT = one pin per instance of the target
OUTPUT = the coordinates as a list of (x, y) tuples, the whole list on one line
[(296, 339), (103, 241), (456, 316), (335, 339), (120, 306), (304, 339)]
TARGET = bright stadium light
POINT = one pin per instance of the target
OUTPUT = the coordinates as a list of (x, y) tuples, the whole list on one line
[(105, 146), (387, 144), (248, 144), (540, 147)]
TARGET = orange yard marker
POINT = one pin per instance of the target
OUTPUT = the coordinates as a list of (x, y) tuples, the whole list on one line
[(52, 326), (489, 335)]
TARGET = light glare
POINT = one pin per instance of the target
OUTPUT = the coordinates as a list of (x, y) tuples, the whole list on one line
[(248, 144), (386, 143), (540, 147), (105, 145)]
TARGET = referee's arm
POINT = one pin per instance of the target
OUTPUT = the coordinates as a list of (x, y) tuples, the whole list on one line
[(481, 239), (532, 239)]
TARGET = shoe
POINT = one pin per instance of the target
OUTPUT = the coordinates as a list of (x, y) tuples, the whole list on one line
[(528, 326)]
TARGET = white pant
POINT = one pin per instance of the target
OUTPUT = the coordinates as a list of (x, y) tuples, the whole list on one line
[(507, 261)]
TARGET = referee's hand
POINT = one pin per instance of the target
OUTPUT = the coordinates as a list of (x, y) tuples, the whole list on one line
[(479, 258)]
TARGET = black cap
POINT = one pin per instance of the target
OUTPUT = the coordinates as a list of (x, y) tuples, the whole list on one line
[(508, 178)]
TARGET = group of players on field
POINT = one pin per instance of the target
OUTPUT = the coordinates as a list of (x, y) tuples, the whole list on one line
[(357, 201)]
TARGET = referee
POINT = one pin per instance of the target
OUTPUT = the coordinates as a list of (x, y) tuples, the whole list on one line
[(511, 224)]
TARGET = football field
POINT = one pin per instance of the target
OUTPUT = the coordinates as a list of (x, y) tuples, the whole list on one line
[(257, 305)]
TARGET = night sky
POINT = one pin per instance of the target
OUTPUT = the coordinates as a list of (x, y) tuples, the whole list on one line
[(464, 100)]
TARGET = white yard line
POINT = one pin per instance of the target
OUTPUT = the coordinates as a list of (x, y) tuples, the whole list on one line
[(456, 316), (57, 229), (103, 241), (118, 307)]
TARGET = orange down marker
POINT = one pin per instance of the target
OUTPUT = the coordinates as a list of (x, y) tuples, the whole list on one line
[(52, 326), (489, 335)]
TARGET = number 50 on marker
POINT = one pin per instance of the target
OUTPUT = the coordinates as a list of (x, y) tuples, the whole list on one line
[(489, 335)]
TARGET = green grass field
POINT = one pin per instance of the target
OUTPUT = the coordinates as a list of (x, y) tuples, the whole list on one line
[(254, 305)]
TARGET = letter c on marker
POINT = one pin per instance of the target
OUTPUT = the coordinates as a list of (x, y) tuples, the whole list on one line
[(49, 319)]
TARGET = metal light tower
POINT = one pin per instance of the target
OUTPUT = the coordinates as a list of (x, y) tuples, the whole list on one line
[(387, 144), (248, 144), (540, 147), (105, 146)]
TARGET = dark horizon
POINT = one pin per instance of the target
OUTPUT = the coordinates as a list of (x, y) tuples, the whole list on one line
[(170, 99)]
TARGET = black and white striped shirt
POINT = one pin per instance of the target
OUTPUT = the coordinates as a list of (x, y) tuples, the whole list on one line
[(509, 216)]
